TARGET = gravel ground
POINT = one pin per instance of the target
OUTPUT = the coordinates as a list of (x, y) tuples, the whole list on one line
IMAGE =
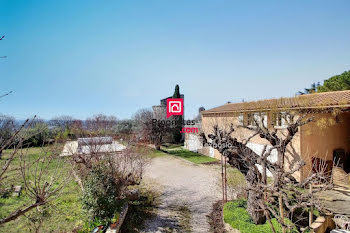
[(188, 192)]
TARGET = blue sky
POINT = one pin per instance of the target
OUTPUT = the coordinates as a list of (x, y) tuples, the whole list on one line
[(114, 57)]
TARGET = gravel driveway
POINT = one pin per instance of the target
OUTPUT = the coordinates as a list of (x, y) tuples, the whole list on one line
[(188, 192)]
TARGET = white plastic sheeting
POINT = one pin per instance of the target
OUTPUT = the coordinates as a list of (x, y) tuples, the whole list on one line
[(71, 148)]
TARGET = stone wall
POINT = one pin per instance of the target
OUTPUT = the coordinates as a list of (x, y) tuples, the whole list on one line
[(193, 141)]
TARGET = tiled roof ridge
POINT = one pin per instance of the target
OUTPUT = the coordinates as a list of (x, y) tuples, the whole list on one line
[(321, 99)]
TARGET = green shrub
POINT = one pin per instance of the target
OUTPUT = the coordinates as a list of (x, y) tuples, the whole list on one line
[(101, 193), (63, 135), (88, 227), (37, 134), (236, 215), (124, 127)]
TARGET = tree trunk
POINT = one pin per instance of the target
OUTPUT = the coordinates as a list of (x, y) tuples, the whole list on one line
[(253, 208), (157, 147)]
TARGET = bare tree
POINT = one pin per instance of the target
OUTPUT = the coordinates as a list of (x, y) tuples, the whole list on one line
[(151, 127), (6, 94), (6, 130), (1, 38), (101, 123), (104, 168), (62, 122), (95, 147), (40, 184), (284, 196), (126, 164)]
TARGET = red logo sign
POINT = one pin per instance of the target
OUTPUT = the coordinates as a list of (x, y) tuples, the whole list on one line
[(174, 107)]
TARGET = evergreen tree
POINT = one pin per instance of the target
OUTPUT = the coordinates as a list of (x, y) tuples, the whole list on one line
[(176, 135), (313, 89), (336, 83), (177, 92)]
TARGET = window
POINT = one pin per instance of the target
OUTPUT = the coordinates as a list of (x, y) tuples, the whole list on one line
[(251, 121), (280, 119), (257, 118), (241, 119), (263, 120)]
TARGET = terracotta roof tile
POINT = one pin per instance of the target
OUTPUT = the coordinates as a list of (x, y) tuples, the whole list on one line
[(317, 100)]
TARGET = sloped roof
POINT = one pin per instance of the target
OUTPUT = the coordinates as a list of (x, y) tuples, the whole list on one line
[(332, 99), (94, 141)]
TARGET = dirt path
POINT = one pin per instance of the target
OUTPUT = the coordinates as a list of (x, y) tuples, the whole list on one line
[(188, 192)]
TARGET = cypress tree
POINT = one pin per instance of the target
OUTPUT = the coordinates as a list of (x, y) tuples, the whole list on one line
[(177, 92), (176, 135)]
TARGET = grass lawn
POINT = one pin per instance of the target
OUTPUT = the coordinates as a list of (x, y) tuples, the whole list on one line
[(64, 213), (189, 155), (155, 153), (170, 146), (236, 215)]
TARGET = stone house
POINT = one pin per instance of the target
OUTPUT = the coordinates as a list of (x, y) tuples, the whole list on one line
[(160, 113), (326, 138)]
